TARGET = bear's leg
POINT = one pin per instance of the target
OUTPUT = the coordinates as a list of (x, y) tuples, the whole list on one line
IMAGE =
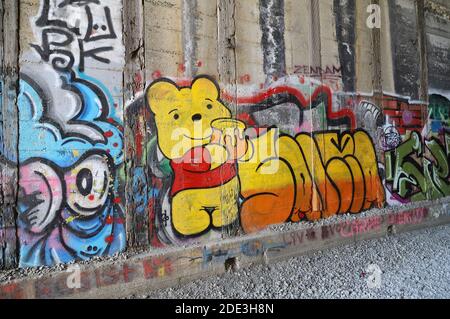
[(191, 216)]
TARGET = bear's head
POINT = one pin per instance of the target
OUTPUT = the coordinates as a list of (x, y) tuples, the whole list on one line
[(183, 115)]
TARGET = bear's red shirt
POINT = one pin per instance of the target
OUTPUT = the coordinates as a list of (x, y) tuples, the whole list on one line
[(193, 171)]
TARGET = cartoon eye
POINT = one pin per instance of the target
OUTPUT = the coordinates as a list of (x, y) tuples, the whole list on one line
[(209, 106), (88, 185), (85, 181), (176, 117)]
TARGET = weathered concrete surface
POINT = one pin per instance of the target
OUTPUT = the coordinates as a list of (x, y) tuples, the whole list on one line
[(148, 271), (307, 67), (9, 131), (438, 44), (135, 79), (404, 31), (71, 60)]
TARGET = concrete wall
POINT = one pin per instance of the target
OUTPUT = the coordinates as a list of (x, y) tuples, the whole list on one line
[(70, 141), (168, 123)]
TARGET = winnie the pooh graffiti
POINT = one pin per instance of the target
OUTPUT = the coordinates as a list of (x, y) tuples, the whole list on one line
[(204, 171), (222, 175)]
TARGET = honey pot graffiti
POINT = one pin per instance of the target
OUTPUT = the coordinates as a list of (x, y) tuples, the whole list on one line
[(226, 169)]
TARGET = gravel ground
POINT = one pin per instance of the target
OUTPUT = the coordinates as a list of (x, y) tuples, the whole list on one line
[(413, 265)]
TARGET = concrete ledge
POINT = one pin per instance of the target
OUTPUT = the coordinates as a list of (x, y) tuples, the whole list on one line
[(153, 270)]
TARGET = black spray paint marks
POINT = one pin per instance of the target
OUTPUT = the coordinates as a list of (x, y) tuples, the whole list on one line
[(189, 32), (405, 49), (272, 27), (344, 11), (100, 26)]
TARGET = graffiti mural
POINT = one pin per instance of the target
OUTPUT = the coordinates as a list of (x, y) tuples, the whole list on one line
[(71, 139), (197, 159), (439, 113), (415, 141), (203, 171), (241, 168), (419, 170)]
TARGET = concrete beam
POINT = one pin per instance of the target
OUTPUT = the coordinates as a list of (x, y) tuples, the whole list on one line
[(9, 131)]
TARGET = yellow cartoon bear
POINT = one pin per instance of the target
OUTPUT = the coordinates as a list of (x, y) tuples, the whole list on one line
[(205, 189)]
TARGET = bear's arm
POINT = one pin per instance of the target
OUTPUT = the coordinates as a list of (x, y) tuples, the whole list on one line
[(219, 155)]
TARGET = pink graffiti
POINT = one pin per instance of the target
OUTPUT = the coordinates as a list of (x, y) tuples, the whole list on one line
[(409, 218), (358, 227)]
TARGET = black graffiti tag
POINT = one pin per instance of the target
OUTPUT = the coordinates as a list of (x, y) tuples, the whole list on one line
[(58, 35)]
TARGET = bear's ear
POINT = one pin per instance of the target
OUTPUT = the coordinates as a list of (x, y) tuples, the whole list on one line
[(204, 87), (161, 95)]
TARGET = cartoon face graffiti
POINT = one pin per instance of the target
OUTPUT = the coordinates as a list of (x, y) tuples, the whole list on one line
[(186, 113), (90, 182), (70, 151), (68, 203), (83, 189), (74, 204)]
